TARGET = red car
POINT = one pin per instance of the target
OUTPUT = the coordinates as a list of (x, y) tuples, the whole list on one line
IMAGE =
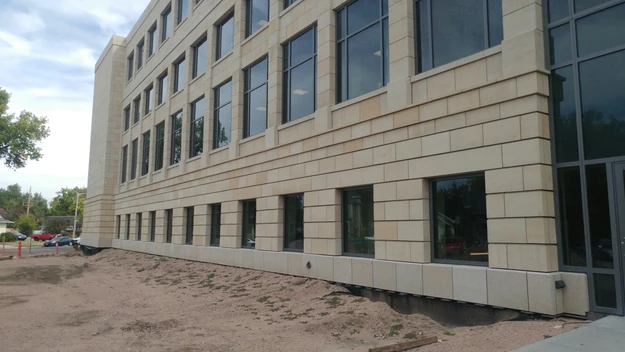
[(43, 237)]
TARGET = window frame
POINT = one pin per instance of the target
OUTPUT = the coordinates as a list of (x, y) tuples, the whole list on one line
[(173, 139), (217, 111), (134, 158), (138, 220), (284, 223), (119, 226), (136, 113), (192, 122), (194, 67), (215, 227), (124, 175), (189, 214), (249, 13), (130, 63), (153, 40), (127, 118), (247, 91), (219, 31), (286, 73), (288, 3), (179, 82), (344, 237), (127, 227), (179, 15), (140, 50), (163, 88), (152, 226), (165, 28), (169, 225), (244, 224), (148, 102), (145, 153), (159, 155)]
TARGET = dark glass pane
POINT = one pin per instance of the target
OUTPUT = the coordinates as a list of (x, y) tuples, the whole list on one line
[(128, 226), (183, 9), (224, 116), (162, 90), (303, 47), (226, 37), (198, 109), (201, 56), (215, 224), (126, 118), (160, 146), (602, 82), (460, 231), (364, 62), (384, 7), (558, 9), (166, 30), (139, 220), (133, 160), (385, 46), (170, 224), (571, 216), (358, 222), (457, 29), (258, 74), (361, 14), (189, 223), (259, 14), (180, 76), (302, 94), (145, 155), (560, 44), (564, 113), (600, 31), (249, 224), (119, 225), (124, 163), (581, 5), (224, 94), (605, 290), (599, 216), (341, 56), (197, 136), (294, 222), (257, 111), (495, 22), (152, 226), (177, 121), (423, 36), (341, 28)]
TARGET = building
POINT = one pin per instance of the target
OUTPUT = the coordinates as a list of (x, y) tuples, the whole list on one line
[(5, 223), (470, 151)]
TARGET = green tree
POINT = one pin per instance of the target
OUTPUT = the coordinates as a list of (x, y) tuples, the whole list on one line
[(65, 202), (15, 202), (55, 226), (26, 224), (19, 134)]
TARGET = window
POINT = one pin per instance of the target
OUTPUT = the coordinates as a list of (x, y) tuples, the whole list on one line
[(225, 37), (257, 15), (223, 115), (183, 10), (358, 222), (149, 100), (152, 226), (255, 99), (196, 138), (459, 219), (159, 148), (136, 114), (133, 160), (300, 72), (362, 48), (288, 3), (189, 225), (215, 224), (126, 118), (119, 226), (139, 220), (176, 138), (249, 224), (140, 47), (166, 25), (200, 55), (130, 61), (163, 89), (169, 225), (294, 222), (152, 40), (179, 75), (448, 30), (124, 163), (127, 226), (145, 154)]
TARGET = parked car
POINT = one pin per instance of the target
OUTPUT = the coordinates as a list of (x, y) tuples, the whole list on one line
[(76, 241), (61, 240), (43, 236), (20, 236)]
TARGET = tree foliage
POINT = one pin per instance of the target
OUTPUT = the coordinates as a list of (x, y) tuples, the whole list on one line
[(26, 224), (19, 135), (55, 226), (65, 202), (15, 202)]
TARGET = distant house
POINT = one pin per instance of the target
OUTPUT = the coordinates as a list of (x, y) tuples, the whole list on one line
[(4, 222)]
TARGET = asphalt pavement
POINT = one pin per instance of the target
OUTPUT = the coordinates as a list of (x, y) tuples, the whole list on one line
[(36, 249)]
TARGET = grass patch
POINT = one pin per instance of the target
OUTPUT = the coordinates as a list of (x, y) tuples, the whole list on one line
[(448, 333), (395, 329), (140, 270), (284, 299), (238, 278), (359, 300), (323, 314), (334, 302), (410, 336), (263, 299)]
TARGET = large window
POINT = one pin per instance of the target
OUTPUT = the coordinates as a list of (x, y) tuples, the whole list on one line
[(139, 220), (176, 138), (362, 48), (152, 38), (358, 222), (257, 15), (223, 115), (189, 213), (294, 222), (166, 23), (300, 73), (124, 163), (152, 226), (215, 225), (179, 75), (196, 137), (225, 37), (200, 55), (459, 219), (255, 99), (133, 160), (130, 62), (448, 30), (169, 225), (126, 118), (248, 237), (119, 226), (148, 100), (145, 154), (183, 10), (163, 88), (127, 226), (136, 107), (159, 148), (140, 48)]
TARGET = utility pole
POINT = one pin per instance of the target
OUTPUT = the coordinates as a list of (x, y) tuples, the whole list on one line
[(28, 205), (76, 214)]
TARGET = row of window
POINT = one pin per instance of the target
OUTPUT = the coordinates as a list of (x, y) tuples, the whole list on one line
[(458, 221)]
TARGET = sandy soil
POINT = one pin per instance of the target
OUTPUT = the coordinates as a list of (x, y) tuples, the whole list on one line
[(123, 301)]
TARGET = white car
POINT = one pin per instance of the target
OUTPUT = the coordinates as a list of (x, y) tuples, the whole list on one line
[(76, 241)]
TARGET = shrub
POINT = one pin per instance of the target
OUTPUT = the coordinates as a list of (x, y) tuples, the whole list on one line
[(64, 233), (26, 224), (8, 237)]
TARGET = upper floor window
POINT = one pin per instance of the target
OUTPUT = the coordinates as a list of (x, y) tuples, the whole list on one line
[(257, 15), (136, 114), (300, 56), (152, 40), (225, 37), (196, 138), (179, 75), (200, 56), (166, 23), (145, 154), (126, 118), (176, 138), (183, 10), (448, 30), (124, 163), (133, 160), (140, 47), (362, 48), (288, 3), (148, 100), (223, 115), (130, 61), (162, 88), (255, 99), (159, 147)]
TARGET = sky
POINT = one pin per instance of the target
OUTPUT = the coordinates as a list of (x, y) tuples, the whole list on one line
[(48, 51)]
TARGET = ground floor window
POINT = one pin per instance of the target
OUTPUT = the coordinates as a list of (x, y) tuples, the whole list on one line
[(152, 225), (169, 224), (189, 212), (215, 225), (119, 226), (294, 222), (358, 221), (249, 224), (127, 226), (139, 219), (459, 219)]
